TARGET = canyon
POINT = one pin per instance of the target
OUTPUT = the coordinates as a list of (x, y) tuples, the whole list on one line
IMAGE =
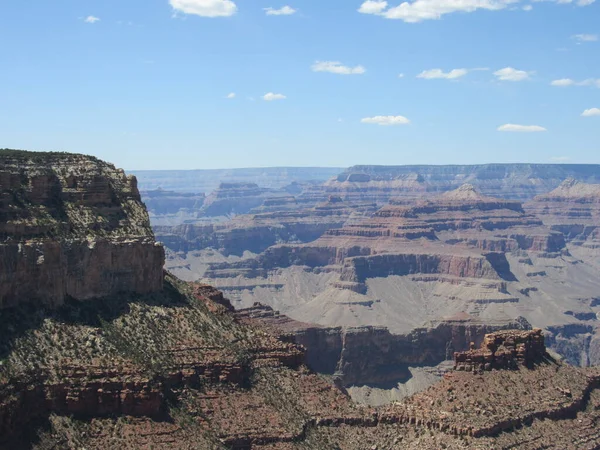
[(375, 256), (148, 360)]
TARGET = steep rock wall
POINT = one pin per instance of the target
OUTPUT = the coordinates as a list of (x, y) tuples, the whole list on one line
[(71, 225)]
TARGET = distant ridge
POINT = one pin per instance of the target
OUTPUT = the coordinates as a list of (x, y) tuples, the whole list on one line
[(511, 181)]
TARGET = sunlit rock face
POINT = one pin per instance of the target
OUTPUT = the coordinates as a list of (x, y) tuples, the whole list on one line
[(72, 226)]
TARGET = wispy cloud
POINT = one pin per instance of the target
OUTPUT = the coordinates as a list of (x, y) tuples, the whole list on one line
[(230, 95), (439, 73), (512, 74), (591, 112), (205, 8), (563, 82), (271, 97), (585, 37), (386, 120), (568, 2), (91, 19), (521, 128), (337, 67), (283, 11)]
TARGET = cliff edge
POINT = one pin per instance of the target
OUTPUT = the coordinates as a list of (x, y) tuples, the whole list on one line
[(72, 226)]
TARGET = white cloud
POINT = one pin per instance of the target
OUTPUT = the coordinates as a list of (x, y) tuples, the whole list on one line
[(419, 10), (569, 82), (386, 120), (205, 8), (563, 82), (439, 73), (372, 7), (284, 11), (230, 95), (511, 74), (591, 112), (271, 97), (560, 158), (585, 37), (91, 19), (337, 67), (521, 128), (400, 75)]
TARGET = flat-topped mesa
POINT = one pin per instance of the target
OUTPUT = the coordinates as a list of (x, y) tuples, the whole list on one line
[(72, 226), (508, 349)]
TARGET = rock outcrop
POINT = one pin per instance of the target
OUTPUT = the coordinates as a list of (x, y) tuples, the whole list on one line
[(504, 350), (72, 226)]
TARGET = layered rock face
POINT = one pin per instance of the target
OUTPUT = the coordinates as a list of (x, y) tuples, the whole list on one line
[(258, 231), (410, 263), (461, 234), (572, 209), (504, 350), (72, 226)]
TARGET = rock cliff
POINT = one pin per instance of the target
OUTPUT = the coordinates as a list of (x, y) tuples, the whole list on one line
[(504, 350), (573, 209), (72, 227)]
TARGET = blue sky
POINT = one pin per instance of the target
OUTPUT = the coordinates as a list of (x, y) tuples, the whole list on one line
[(144, 83)]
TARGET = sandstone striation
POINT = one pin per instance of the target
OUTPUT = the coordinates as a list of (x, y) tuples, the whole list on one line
[(72, 226)]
